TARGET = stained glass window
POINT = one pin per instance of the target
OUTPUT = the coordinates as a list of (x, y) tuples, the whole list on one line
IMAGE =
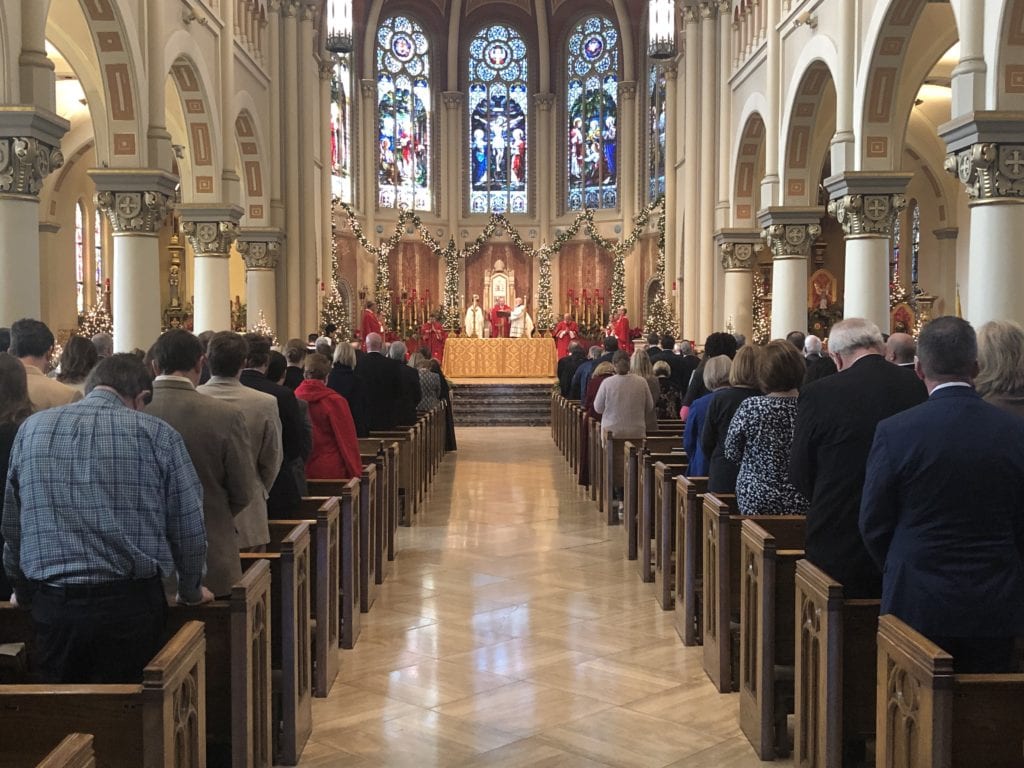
[(97, 251), (498, 108), (656, 133), (341, 148), (593, 102), (403, 114), (80, 256), (915, 242)]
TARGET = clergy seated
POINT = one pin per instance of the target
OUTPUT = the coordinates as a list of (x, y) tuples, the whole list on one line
[(335, 444)]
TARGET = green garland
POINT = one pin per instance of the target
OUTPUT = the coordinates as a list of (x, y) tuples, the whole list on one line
[(450, 309), (584, 222), (335, 311), (660, 315)]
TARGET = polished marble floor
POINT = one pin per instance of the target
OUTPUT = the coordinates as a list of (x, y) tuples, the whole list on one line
[(513, 632)]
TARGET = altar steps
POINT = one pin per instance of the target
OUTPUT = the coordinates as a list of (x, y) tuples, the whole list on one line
[(502, 405)]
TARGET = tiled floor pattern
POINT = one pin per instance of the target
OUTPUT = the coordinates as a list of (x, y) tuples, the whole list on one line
[(512, 631)]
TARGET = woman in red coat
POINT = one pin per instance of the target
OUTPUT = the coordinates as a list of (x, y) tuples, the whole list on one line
[(335, 454)]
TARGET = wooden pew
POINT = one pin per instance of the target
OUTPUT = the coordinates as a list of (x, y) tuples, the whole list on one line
[(159, 723), (665, 473), (646, 489), (835, 645), (407, 496), (611, 477), (929, 716), (633, 451), (689, 561), (769, 550), (367, 556), (381, 510), (238, 674), (288, 554), (324, 516), (74, 752), (386, 453)]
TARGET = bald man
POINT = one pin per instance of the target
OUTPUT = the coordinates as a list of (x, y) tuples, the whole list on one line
[(901, 349)]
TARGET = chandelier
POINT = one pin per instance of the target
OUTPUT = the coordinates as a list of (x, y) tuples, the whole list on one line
[(661, 26), (339, 26)]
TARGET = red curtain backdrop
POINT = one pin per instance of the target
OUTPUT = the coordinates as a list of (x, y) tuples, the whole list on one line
[(583, 265)]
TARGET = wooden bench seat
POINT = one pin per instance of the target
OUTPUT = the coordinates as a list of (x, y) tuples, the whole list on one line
[(835, 649), (689, 615), (646, 489), (238, 673), (386, 453), (408, 504), (74, 752), (769, 550), (665, 474), (928, 716), (288, 554), (160, 723), (632, 452)]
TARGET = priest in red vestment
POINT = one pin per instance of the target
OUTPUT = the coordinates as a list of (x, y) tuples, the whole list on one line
[(370, 324), (622, 332), (433, 336), (500, 314), (565, 333)]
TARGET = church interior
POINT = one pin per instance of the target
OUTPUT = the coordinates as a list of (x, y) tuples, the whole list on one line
[(750, 166)]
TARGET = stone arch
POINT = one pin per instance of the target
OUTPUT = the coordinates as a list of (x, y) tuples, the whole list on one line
[(119, 60), (252, 160), (1006, 76), (201, 127), (812, 123), (750, 160), (890, 76)]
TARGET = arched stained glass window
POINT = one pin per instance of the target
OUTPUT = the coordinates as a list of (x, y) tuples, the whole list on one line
[(80, 257), (915, 243), (498, 108), (593, 103), (341, 148), (656, 98), (97, 252), (403, 114)]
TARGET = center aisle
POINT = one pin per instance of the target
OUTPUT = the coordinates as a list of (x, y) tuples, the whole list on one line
[(513, 632)]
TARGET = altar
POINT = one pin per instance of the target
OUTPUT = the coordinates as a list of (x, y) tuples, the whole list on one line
[(499, 358)]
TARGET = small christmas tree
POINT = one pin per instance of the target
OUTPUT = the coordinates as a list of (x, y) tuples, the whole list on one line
[(96, 320), (263, 328)]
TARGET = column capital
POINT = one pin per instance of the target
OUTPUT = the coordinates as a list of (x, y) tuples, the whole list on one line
[(452, 99), (866, 203), (326, 69), (29, 148), (708, 10), (210, 229), (627, 89), (260, 248), (689, 14), (671, 70), (946, 233), (790, 231), (739, 248), (725, 8), (544, 101), (289, 8), (134, 201), (986, 153), (368, 88)]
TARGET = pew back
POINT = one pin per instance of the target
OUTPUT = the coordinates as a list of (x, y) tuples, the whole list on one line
[(688, 577)]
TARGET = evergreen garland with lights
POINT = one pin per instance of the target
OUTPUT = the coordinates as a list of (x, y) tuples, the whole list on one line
[(761, 320), (450, 301), (335, 310), (545, 320), (661, 318)]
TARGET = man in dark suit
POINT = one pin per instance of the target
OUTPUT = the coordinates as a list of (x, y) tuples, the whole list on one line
[(411, 392), (567, 367), (943, 509), (682, 366), (611, 346), (836, 419), (284, 495), (819, 365), (580, 379), (217, 440), (382, 383)]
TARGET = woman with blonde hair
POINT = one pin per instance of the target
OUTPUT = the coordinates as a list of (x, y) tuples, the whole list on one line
[(716, 376), (640, 364), (1001, 360)]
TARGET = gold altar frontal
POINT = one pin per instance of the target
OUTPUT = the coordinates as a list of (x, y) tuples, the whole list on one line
[(499, 358)]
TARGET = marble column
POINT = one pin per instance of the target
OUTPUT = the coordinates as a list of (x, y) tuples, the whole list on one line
[(770, 184), (987, 155), (691, 176), (210, 230), (790, 232), (290, 153), (673, 263), (158, 138), (231, 184), (136, 204), (368, 179), (261, 249), (723, 208), (310, 121), (866, 205), (29, 151), (739, 249), (629, 193), (452, 170), (708, 167)]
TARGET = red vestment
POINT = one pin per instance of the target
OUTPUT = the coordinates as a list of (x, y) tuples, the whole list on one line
[(369, 325), (434, 335), (565, 333), (622, 334), (501, 326)]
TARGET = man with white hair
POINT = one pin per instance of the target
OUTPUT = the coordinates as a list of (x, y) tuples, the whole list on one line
[(382, 383), (835, 425), (818, 365)]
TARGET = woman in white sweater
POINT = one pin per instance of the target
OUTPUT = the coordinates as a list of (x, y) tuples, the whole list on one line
[(624, 401)]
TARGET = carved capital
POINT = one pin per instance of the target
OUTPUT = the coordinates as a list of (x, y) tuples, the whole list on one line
[(989, 170), (671, 70), (789, 241), (689, 13), (210, 238), (708, 10), (25, 162), (289, 8), (368, 88), (544, 101), (725, 7), (452, 99), (134, 212), (326, 69), (259, 255), (739, 256), (627, 89), (306, 12), (274, 6), (867, 215)]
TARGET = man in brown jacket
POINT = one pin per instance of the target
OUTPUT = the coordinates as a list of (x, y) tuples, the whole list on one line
[(32, 343), (218, 443)]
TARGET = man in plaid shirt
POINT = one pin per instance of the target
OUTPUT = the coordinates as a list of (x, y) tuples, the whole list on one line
[(102, 501)]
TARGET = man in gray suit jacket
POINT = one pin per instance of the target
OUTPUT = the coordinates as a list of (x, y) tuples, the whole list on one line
[(225, 356), (218, 444)]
